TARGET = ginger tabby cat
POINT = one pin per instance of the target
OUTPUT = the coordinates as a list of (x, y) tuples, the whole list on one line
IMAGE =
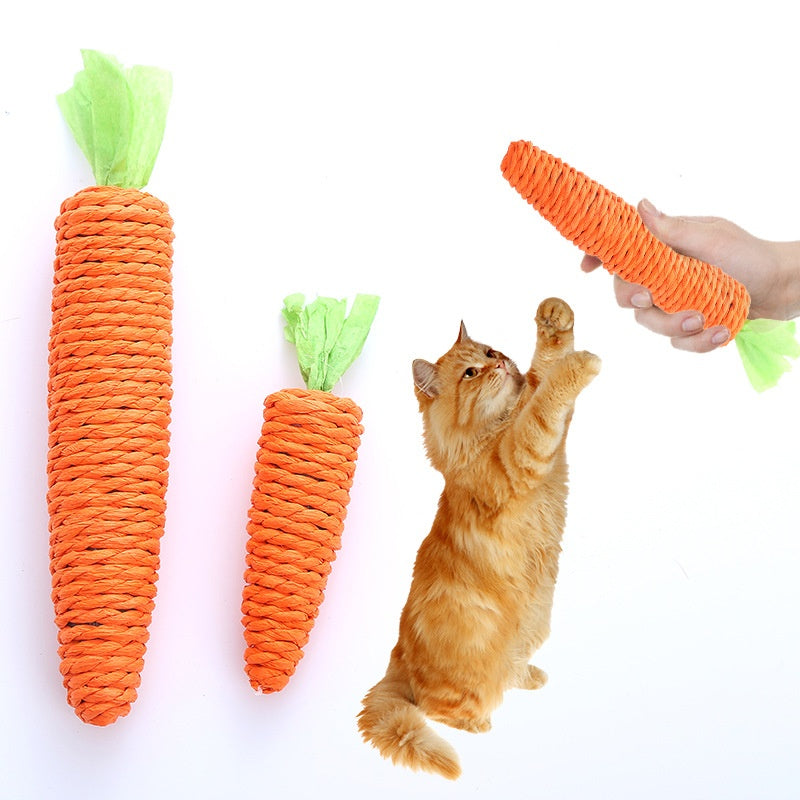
[(482, 591)]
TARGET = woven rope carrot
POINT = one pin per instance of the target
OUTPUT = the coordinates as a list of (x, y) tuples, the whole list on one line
[(109, 390), (605, 226), (304, 471)]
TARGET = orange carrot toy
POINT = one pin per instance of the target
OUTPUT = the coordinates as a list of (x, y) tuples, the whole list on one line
[(109, 388), (304, 471), (605, 226)]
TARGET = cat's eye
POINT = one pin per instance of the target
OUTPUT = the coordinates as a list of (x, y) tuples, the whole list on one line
[(470, 372)]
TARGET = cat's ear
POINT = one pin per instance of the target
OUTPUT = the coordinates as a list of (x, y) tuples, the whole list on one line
[(426, 377), (463, 336)]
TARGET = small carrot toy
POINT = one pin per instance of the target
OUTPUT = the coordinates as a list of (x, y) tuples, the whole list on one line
[(605, 226), (304, 471), (109, 388)]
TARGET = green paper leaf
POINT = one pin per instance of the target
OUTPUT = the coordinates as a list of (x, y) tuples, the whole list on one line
[(765, 347), (118, 118), (151, 88), (327, 339)]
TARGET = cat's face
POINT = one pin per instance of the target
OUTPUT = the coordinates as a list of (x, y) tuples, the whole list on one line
[(472, 385)]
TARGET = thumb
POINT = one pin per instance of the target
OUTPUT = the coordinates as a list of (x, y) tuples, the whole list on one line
[(697, 237)]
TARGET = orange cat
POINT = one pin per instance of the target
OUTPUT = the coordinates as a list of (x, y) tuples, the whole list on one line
[(482, 591)]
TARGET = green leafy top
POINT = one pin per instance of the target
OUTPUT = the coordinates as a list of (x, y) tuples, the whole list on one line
[(118, 117), (765, 346), (327, 339)]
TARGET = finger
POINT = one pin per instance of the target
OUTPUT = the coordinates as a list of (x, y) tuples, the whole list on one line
[(681, 324), (631, 295), (693, 236), (703, 342), (590, 263), (685, 329)]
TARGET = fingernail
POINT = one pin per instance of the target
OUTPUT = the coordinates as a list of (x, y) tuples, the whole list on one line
[(692, 324), (649, 208), (721, 336), (641, 300)]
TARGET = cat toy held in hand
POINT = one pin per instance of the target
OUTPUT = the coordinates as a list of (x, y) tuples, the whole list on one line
[(603, 225), (109, 388), (304, 471)]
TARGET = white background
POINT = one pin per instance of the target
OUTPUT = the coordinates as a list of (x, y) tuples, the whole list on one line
[(332, 148)]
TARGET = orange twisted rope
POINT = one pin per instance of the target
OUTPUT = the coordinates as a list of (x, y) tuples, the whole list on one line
[(109, 396), (304, 471), (603, 225)]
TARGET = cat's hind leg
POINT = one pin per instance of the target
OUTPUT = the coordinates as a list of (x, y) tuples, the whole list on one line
[(471, 725), (468, 710)]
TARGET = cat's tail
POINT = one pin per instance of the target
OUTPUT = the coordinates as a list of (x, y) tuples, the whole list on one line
[(398, 729)]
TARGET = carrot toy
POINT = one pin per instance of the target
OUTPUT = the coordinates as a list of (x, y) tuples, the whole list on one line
[(304, 470), (605, 226), (109, 388)]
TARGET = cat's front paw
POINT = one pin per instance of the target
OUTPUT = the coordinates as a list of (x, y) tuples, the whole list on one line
[(554, 317), (581, 368), (534, 678)]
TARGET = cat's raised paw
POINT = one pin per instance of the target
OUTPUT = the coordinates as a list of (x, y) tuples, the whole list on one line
[(588, 362), (553, 317), (581, 367)]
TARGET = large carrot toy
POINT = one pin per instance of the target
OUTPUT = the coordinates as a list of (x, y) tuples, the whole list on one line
[(605, 226), (109, 388), (304, 470)]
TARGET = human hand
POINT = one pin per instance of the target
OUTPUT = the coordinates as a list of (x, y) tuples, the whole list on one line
[(769, 270)]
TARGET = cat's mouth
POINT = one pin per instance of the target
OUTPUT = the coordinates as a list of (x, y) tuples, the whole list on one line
[(507, 379), (506, 370)]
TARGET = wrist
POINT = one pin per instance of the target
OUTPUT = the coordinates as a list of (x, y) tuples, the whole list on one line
[(787, 279)]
